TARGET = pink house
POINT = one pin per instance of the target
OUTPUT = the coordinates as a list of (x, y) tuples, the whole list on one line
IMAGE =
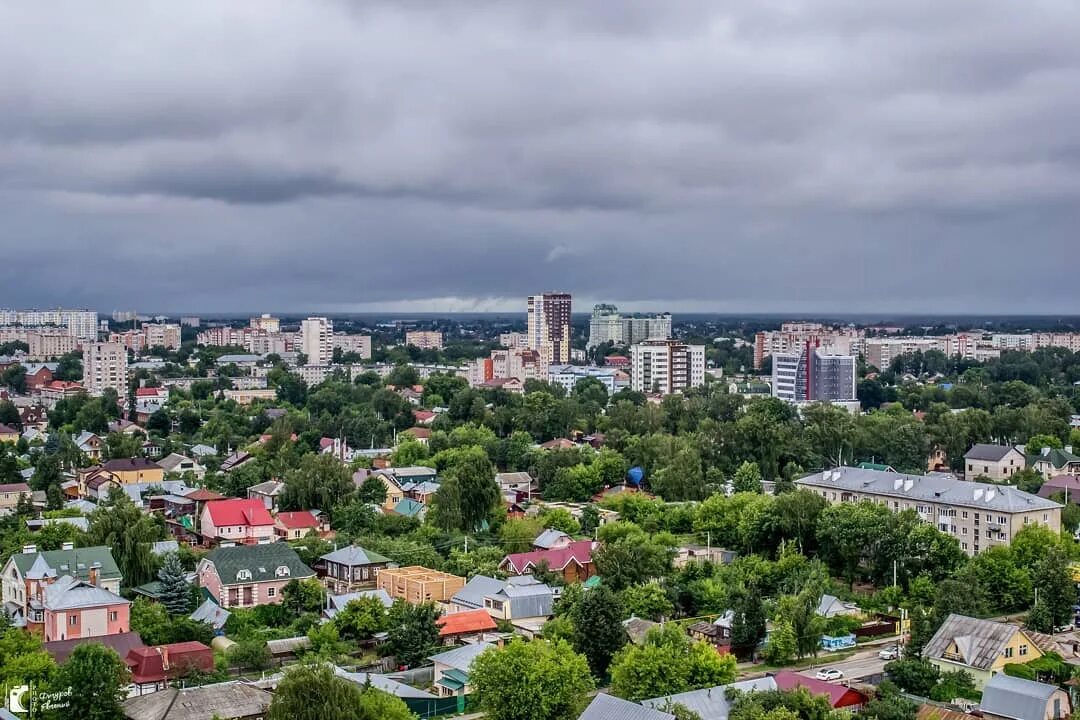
[(238, 520), (250, 575), (65, 608)]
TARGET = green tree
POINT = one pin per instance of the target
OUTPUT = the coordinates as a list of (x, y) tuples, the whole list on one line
[(668, 663), (469, 481), (889, 705), (361, 618), (312, 691), (300, 596), (128, 532), (632, 561), (321, 481), (916, 676), (598, 629), (250, 655), (747, 478), (413, 634), (1055, 592), (23, 659), (782, 644), (175, 589), (648, 601), (536, 680), (372, 491), (98, 679)]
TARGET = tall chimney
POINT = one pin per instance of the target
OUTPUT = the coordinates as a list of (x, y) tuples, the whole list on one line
[(29, 548), (94, 573)]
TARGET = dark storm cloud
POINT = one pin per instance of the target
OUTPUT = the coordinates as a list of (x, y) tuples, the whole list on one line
[(803, 155)]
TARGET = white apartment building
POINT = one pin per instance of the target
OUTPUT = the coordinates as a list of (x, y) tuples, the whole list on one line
[(605, 325), (514, 340), (568, 376), (666, 366), (266, 323), (162, 335), (792, 336), (549, 327), (105, 366), (425, 339), (81, 324), (359, 344), (978, 515), (647, 327), (316, 340), (813, 374)]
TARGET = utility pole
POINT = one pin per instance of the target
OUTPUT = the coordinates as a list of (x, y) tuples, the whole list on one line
[(894, 573), (466, 544)]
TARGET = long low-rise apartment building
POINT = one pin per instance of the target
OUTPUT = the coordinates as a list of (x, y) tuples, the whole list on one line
[(978, 515)]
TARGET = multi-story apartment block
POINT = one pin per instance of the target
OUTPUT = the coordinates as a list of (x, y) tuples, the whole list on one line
[(316, 342), (605, 325), (359, 344), (266, 323), (813, 374), (639, 328), (162, 335), (978, 515), (81, 324), (567, 376), (666, 366), (793, 336), (46, 344), (190, 321), (132, 340), (105, 366), (504, 364), (549, 327), (514, 340), (425, 339)]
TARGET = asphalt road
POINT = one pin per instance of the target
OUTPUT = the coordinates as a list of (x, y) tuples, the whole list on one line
[(861, 665)]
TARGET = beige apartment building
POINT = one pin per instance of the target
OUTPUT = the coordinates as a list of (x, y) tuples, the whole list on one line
[(978, 515), (997, 462), (162, 335), (47, 344), (105, 366), (359, 344), (425, 339)]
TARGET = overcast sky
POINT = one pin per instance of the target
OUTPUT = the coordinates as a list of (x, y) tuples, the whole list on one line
[(791, 155)]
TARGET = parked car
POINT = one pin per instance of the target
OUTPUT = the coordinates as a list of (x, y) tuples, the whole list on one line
[(890, 653), (829, 674)]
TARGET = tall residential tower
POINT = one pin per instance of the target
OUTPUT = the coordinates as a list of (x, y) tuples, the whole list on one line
[(549, 327)]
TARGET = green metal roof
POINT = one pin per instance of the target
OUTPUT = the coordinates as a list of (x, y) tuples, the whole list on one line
[(261, 561), (151, 590), (75, 562), (1056, 457), (408, 507), (875, 466), (454, 679)]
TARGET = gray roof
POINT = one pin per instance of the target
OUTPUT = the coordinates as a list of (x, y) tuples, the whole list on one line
[(831, 606), (67, 593), (712, 703), (164, 547), (212, 614), (474, 592), (354, 555), (268, 487), (79, 522), (337, 603), (547, 539), (288, 645), (528, 600), (606, 707), (203, 450), (239, 358), (461, 658), (1017, 698), (979, 642), (989, 453), (227, 700), (929, 488), (386, 684)]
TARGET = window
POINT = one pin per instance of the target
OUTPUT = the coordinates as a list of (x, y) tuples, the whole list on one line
[(986, 470), (243, 574), (989, 534), (1001, 520), (1008, 652), (1023, 650), (964, 515), (964, 546), (963, 531), (113, 616), (271, 592), (73, 620), (282, 571)]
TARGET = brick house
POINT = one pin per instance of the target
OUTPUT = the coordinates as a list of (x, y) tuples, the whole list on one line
[(92, 564), (236, 520), (573, 562), (250, 575)]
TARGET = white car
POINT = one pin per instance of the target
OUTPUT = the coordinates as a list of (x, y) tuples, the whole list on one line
[(889, 653), (829, 674)]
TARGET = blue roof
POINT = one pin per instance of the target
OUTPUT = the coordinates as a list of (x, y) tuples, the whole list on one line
[(408, 507)]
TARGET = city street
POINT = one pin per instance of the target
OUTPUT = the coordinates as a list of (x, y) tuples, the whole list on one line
[(861, 665)]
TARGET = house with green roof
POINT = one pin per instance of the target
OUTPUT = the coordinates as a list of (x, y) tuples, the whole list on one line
[(250, 575), (1050, 462), (94, 565)]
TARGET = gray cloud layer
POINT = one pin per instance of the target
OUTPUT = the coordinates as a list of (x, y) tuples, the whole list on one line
[(815, 155)]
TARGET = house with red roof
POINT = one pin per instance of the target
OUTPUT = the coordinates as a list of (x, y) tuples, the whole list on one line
[(294, 525), (423, 417), (153, 667), (151, 394), (574, 561), (56, 390), (238, 520), (459, 625), (38, 377), (840, 697)]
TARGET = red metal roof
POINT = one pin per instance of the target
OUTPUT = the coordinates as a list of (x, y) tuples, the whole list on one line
[(238, 511), (161, 662), (465, 623), (204, 494), (150, 392), (557, 559), (297, 520), (839, 696), (14, 487)]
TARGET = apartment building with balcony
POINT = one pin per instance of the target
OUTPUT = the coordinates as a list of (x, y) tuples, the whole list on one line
[(978, 515), (666, 366)]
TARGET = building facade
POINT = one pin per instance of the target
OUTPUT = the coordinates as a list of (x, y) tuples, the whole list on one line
[(316, 340), (666, 366), (359, 344), (81, 324), (105, 366), (425, 339), (813, 374), (794, 335), (162, 335), (549, 326), (978, 515)]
